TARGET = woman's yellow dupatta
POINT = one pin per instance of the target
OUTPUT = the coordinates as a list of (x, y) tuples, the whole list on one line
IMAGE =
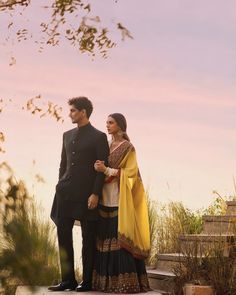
[(133, 222)]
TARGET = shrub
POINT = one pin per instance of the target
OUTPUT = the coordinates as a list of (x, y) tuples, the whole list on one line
[(27, 249)]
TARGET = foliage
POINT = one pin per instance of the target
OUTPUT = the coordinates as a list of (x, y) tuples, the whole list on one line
[(218, 206), (222, 271), (27, 248), (207, 268), (167, 223), (175, 219), (210, 265), (190, 269), (69, 20), (36, 106), (2, 139), (152, 227)]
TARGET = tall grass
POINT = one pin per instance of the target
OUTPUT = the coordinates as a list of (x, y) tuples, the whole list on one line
[(27, 247), (218, 206), (167, 223), (152, 213)]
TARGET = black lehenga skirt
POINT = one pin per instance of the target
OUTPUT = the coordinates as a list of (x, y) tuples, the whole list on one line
[(116, 270)]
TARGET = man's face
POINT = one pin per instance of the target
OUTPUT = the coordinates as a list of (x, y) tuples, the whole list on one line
[(76, 115)]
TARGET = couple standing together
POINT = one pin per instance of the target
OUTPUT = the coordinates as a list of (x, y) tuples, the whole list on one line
[(100, 185)]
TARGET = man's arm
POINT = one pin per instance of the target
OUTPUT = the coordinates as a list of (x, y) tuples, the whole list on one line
[(62, 168)]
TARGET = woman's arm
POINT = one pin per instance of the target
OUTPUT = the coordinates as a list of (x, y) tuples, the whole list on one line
[(100, 167), (111, 172)]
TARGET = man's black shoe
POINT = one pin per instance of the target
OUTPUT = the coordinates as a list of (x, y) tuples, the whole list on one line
[(83, 288), (67, 285)]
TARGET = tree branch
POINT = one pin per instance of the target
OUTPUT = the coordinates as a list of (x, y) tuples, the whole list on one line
[(10, 3)]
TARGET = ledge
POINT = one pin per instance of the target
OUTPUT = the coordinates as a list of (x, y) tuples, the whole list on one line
[(24, 290)]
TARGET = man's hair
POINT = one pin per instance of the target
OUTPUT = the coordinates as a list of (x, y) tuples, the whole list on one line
[(82, 103)]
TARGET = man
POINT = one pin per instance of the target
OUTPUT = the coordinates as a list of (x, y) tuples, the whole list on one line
[(77, 193)]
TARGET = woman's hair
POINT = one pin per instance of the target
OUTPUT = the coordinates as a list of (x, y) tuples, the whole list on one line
[(82, 103), (121, 122)]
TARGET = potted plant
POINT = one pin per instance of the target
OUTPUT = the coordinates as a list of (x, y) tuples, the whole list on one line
[(197, 288), (192, 277)]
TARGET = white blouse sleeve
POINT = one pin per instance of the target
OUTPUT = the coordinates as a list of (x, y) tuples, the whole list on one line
[(111, 171)]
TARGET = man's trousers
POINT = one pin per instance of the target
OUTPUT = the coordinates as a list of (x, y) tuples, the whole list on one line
[(65, 242)]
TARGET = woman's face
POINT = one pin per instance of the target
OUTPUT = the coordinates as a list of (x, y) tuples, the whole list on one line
[(112, 126)]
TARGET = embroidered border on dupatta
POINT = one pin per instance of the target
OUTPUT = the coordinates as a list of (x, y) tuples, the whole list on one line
[(128, 244)]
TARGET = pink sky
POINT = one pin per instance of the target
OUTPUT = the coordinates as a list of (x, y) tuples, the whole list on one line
[(175, 82)]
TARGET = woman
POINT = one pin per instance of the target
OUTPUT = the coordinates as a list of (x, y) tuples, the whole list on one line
[(123, 240)]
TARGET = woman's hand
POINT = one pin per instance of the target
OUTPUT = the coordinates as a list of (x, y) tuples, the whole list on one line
[(99, 166)]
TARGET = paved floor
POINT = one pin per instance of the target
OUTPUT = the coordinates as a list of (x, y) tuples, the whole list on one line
[(22, 290)]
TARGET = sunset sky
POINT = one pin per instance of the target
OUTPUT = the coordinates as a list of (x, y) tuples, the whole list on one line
[(175, 82)]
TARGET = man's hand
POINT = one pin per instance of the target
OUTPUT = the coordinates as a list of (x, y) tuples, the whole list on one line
[(92, 202)]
